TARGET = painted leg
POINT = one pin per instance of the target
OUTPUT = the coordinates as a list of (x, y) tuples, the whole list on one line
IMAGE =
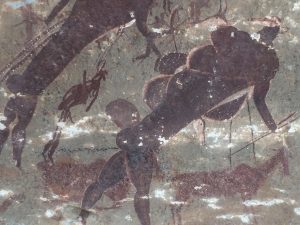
[(10, 116), (230, 143), (251, 129), (25, 109), (51, 145), (176, 214), (140, 168), (200, 126), (185, 100), (112, 173)]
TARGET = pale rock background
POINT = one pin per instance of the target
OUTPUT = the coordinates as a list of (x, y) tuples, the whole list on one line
[(277, 201)]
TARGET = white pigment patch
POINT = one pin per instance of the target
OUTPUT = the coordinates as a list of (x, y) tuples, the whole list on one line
[(280, 190), (294, 127), (200, 187), (297, 211), (212, 28), (44, 199), (245, 218), (294, 40), (214, 206), (230, 145), (127, 200), (178, 203), (212, 202), (162, 140), (70, 222), (5, 193), (128, 218), (296, 6), (291, 22), (255, 36), (160, 193), (263, 203), (2, 126), (2, 117), (49, 213)]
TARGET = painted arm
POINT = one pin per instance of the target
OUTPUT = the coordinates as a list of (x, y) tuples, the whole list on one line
[(84, 80), (259, 96), (56, 10), (141, 10), (93, 100)]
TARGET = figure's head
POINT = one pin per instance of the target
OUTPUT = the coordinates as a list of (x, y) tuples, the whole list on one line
[(222, 37), (225, 37), (268, 34), (272, 26), (123, 113)]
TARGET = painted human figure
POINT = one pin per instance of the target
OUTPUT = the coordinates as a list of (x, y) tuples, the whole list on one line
[(235, 65), (124, 114)]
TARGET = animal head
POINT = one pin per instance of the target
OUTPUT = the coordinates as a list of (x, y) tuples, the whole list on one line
[(123, 113)]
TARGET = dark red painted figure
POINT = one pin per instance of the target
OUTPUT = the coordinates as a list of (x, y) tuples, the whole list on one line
[(242, 179), (233, 64), (88, 20), (79, 94), (76, 95)]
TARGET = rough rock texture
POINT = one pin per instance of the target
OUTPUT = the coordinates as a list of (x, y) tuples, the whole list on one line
[(32, 196)]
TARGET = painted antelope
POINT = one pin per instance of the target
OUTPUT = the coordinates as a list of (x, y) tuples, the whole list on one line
[(243, 179)]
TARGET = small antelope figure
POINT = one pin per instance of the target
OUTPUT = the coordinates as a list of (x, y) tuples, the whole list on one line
[(243, 179)]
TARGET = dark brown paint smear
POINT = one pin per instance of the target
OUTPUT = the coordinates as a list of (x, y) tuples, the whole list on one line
[(69, 179)]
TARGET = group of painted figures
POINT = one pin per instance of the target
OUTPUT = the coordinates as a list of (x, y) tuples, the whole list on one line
[(212, 81)]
